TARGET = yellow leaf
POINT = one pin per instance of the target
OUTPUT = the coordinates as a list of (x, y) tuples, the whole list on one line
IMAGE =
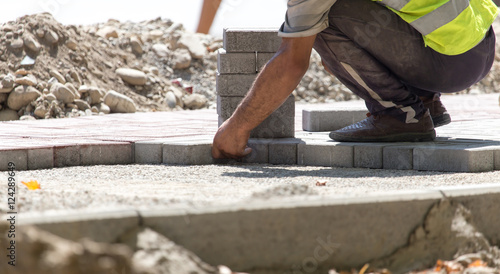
[(363, 270), (32, 185), (477, 263)]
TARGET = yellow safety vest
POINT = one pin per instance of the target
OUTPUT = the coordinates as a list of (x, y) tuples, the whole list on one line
[(449, 27)]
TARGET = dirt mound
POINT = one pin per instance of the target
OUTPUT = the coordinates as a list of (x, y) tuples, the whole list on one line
[(48, 70)]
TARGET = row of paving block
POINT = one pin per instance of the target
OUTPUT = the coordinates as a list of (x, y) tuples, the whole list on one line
[(310, 150), (314, 150), (244, 55)]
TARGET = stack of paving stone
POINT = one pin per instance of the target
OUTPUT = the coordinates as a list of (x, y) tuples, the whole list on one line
[(244, 54)]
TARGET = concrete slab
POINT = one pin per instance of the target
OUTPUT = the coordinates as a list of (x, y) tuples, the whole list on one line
[(67, 156), (283, 151), (40, 158), (236, 63), (325, 233), (328, 154), (106, 154), (188, 153), (149, 152), (331, 119), (17, 156), (280, 124), (234, 84), (103, 226), (260, 151), (247, 40), (457, 158)]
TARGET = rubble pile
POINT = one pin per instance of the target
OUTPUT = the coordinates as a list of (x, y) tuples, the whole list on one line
[(48, 70)]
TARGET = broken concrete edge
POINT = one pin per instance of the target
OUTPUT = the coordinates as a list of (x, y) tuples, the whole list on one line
[(215, 233)]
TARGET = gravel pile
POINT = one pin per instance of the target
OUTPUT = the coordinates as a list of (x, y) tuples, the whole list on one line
[(49, 70)]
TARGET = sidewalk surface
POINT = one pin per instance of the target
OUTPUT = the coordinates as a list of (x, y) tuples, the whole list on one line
[(474, 117)]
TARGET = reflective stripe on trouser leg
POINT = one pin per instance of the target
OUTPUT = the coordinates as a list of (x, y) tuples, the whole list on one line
[(410, 112)]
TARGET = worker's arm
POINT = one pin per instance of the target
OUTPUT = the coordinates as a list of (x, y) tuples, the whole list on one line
[(272, 87), (208, 12)]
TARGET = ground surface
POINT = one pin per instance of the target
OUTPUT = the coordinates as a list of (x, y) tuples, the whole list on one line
[(152, 186)]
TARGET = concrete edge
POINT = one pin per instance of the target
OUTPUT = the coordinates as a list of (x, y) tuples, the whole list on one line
[(343, 226)]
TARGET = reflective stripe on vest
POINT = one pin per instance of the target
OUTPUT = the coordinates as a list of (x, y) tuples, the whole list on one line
[(449, 27), (440, 16)]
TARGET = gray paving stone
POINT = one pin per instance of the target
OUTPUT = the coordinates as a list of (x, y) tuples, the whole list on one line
[(283, 151), (398, 157), (248, 40), (40, 158), (234, 84), (497, 159), (280, 124), (330, 120), (188, 153), (368, 155), (260, 151), (17, 156), (106, 154), (149, 152), (325, 153), (262, 59), (236, 63), (455, 158), (66, 156)]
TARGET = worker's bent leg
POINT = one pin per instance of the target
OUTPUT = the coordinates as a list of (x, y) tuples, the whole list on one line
[(384, 60)]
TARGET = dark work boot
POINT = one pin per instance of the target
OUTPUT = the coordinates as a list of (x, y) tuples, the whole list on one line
[(439, 114), (385, 128)]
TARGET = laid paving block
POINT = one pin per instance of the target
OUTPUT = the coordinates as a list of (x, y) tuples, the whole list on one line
[(234, 84), (188, 153), (260, 151), (497, 159), (262, 59), (236, 63), (325, 153), (149, 152), (283, 151), (456, 158), (398, 157), (66, 156), (329, 120), (251, 40), (368, 155), (19, 157), (106, 154), (280, 124), (40, 158)]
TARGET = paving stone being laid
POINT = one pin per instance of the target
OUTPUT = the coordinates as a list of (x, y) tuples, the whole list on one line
[(280, 124), (188, 153), (332, 119), (247, 40)]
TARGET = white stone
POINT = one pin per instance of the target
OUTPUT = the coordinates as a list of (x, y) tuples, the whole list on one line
[(8, 115), (107, 32), (192, 42), (54, 73), (171, 99), (31, 43), (195, 101), (161, 50), (22, 96), (181, 59), (132, 76), (29, 80), (119, 103), (51, 37), (62, 93)]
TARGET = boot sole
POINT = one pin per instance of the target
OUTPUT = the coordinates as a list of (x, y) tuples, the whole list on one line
[(400, 137), (441, 120)]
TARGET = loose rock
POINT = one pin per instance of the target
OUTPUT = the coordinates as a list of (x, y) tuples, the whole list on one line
[(31, 43), (8, 115), (51, 37), (171, 100), (195, 101), (82, 105), (54, 73), (119, 103), (22, 96), (132, 76), (191, 42), (108, 32), (28, 80), (62, 93), (181, 59)]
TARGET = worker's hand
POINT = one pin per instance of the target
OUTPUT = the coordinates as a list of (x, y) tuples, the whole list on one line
[(230, 142)]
